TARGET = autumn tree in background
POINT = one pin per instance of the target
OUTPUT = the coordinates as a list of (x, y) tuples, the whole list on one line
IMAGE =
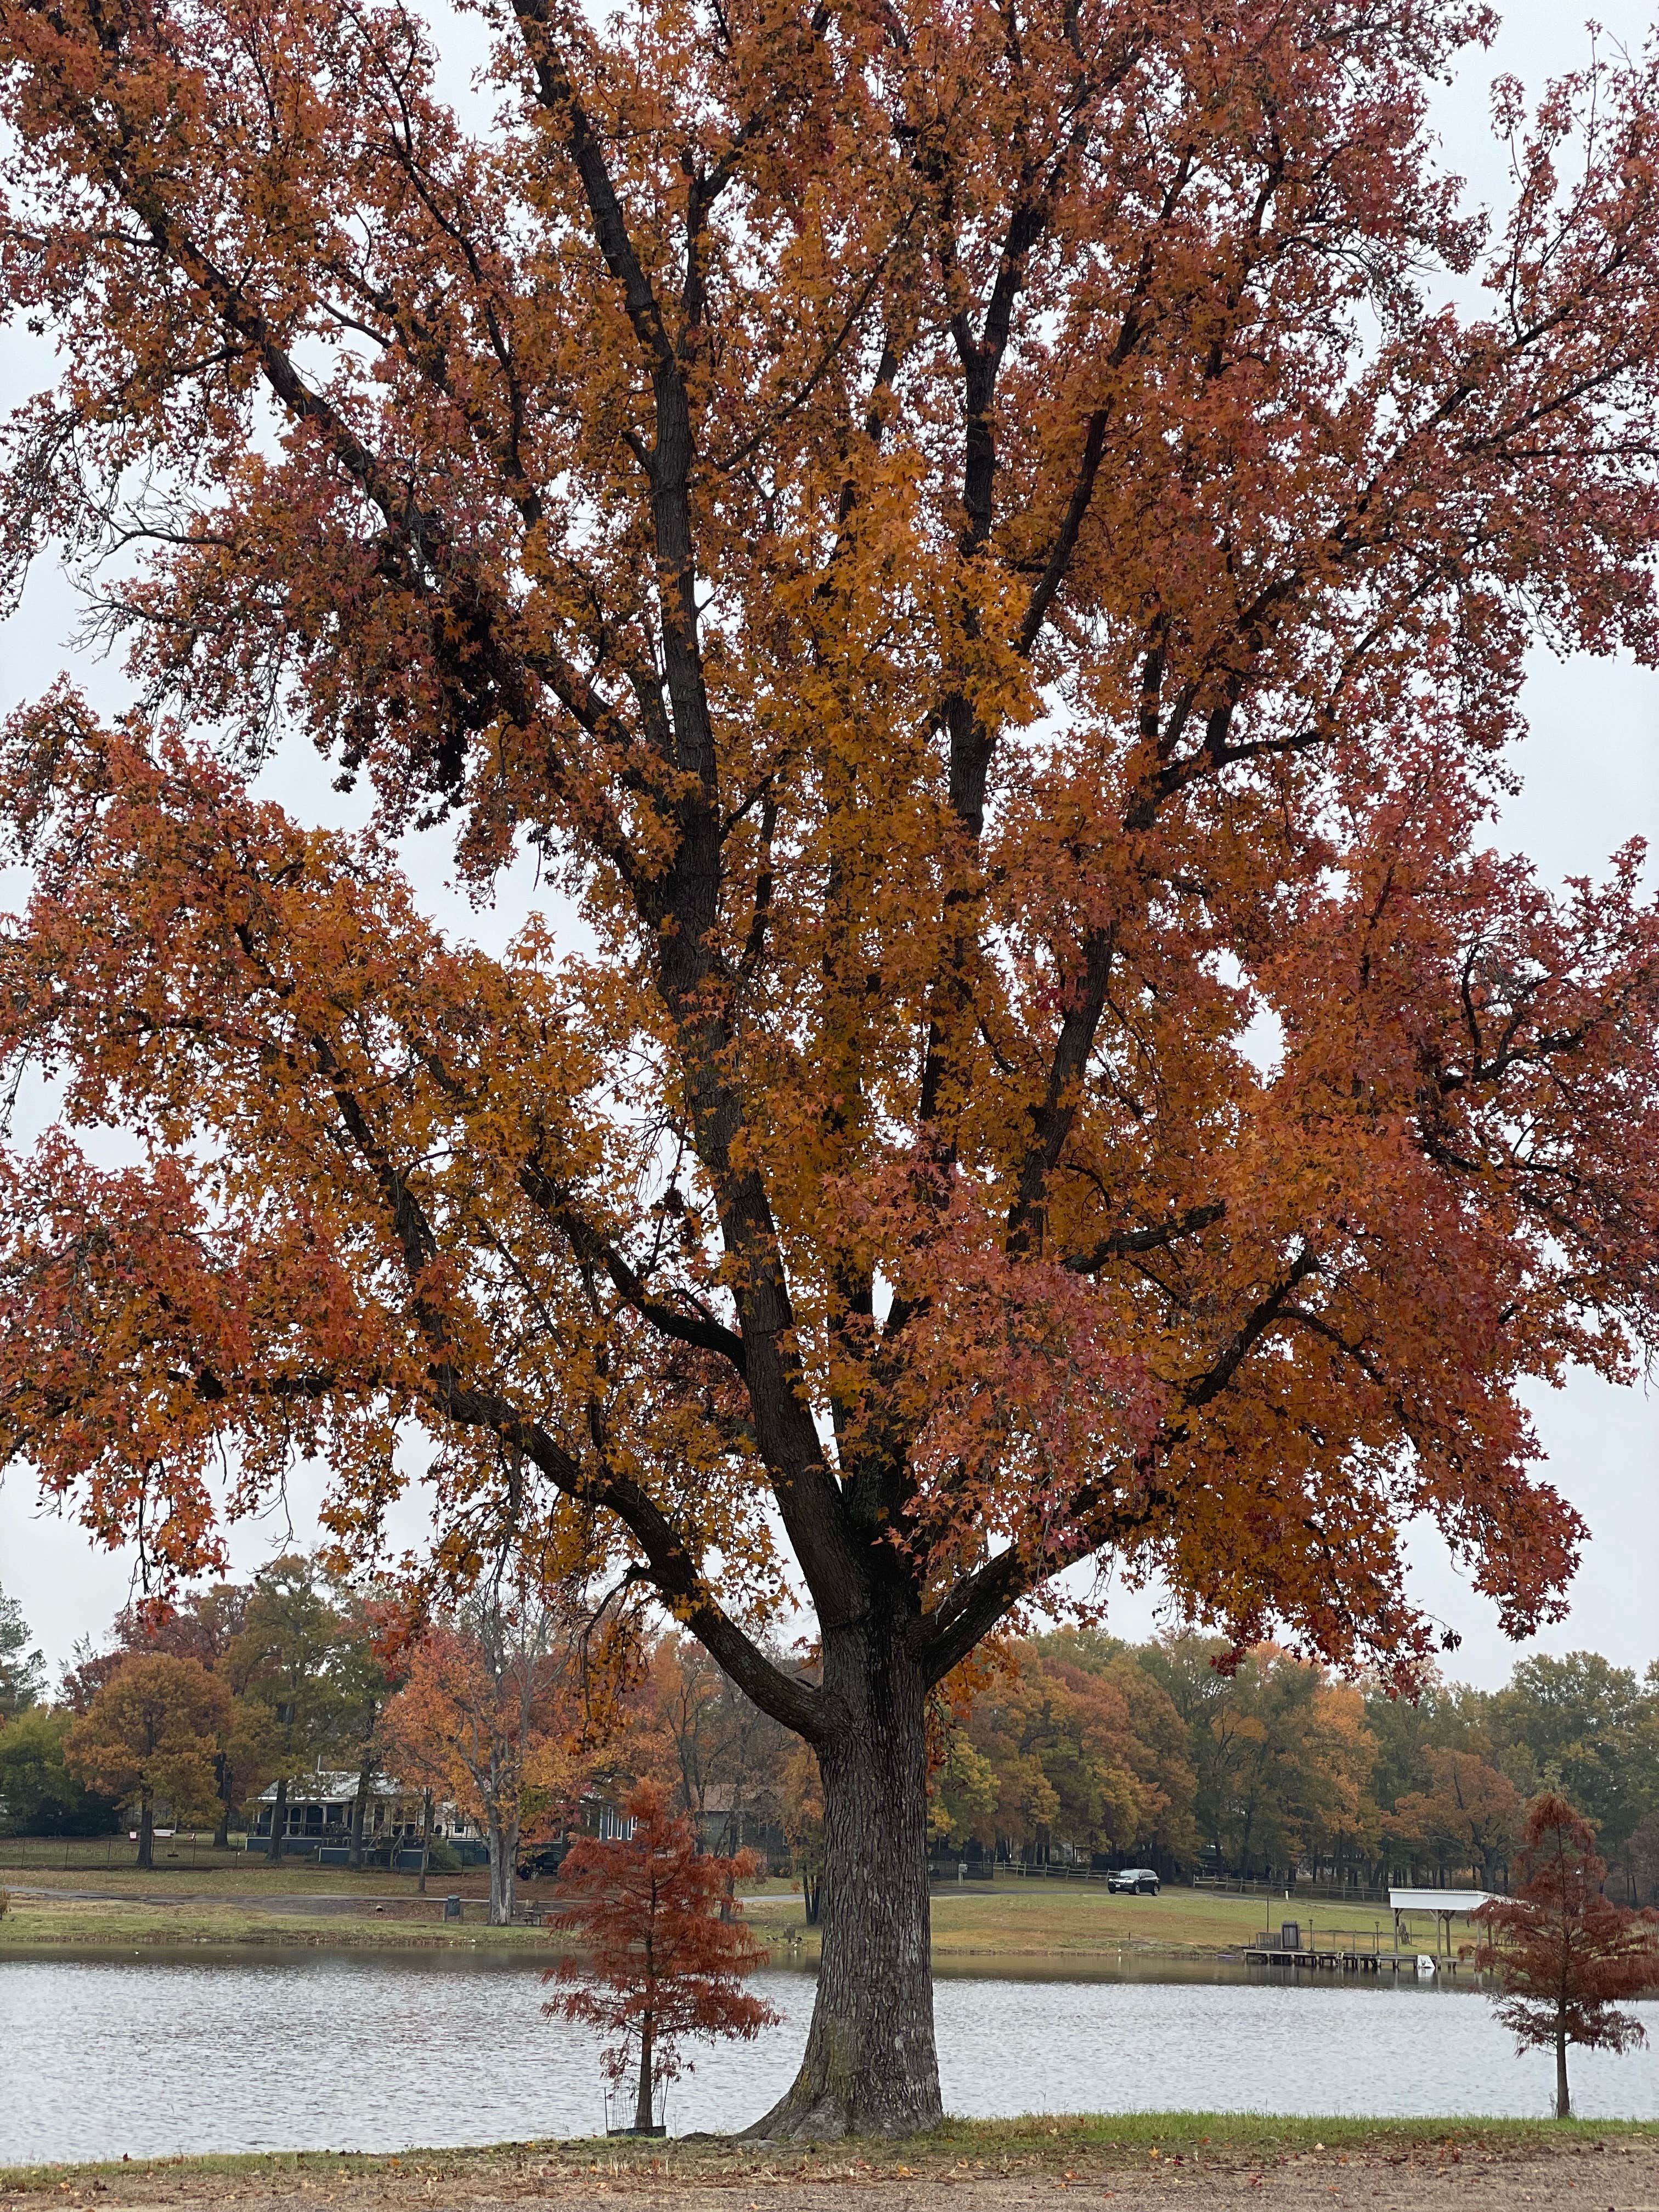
[(802, 1821), (1642, 1856), (975, 558), (191, 1625), (1576, 1723), (200, 1624), (718, 1754), (1470, 1816), (665, 1949), (151, 1732), (965, 1792), (1564, 1955), (1051, 1747), (490, 1714), (204, 1625), (22, 1671), (283, 1663), (370, 1666), (1281, 1753)]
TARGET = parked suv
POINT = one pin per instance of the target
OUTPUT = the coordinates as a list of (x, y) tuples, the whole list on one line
[(542, 1860), (1140, 1881)]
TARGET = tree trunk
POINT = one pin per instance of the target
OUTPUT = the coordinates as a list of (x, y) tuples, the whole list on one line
[(870, 2066), (426, 1839), (279, 1820), (503, 1858), (1562, 2098), (146, 1832), (642, 2095), (359, 1812), (224, 1781)]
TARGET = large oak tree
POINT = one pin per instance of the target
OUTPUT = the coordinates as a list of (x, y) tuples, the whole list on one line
[(964, 537)]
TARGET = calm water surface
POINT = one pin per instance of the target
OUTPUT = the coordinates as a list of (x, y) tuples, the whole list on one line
[(349, 2051)]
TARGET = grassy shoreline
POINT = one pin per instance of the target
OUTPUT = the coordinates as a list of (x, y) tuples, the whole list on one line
[(1036, 2144), (975, 1928)]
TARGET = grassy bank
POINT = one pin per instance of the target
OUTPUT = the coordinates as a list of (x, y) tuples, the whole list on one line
[(37, 1925), (233, 1876), (977, 1925), (1012, 1921), (1065, 2149)]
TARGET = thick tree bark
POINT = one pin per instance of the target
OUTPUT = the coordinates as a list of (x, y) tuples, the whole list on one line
[(279, 1819), (870, 2066), (146, 1831), (1563, 2097)]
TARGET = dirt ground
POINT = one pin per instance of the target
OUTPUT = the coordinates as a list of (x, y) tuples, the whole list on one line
[(1585, 2171)]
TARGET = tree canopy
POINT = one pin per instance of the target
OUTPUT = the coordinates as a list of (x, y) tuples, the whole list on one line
[(151, 1733), (491, 1716), (966, 541)]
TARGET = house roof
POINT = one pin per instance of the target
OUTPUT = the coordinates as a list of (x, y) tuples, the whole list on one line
[(336, 1787)]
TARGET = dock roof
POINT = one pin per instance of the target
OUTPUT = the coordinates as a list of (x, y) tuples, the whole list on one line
[(1438, 1900)]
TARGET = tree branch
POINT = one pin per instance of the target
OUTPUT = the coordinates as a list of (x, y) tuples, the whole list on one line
[(1125, 1243)]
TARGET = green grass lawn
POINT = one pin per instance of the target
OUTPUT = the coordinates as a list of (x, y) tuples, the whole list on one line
[(972, 1923), (32, 1923), (92, 1864), (230, 1873), (1019, 1919)]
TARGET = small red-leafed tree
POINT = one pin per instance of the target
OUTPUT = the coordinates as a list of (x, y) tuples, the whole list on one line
[(1565, 1954), (153, 1732), (665, 1947)]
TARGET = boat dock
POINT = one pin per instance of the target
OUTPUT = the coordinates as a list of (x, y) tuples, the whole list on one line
[(1335, 1953), (1361, 1950)]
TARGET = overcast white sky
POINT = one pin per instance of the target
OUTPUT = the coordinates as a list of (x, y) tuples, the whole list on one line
[(1591, 771)]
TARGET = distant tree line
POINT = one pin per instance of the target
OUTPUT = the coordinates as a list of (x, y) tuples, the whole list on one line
[(1080, 1747), (1074, 1747), (192, 1712), (1070, 1747)]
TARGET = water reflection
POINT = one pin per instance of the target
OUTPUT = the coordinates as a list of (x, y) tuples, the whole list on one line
[(379, 2052)]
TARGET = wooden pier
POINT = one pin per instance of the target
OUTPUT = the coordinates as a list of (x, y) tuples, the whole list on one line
[(1319, 1958), (1352, 1950)]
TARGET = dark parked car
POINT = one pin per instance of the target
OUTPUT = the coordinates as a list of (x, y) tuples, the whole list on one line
[(540, 1860), (1140, 1881)]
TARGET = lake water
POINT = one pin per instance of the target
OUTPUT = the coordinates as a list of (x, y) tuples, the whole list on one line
[(363, 2051)]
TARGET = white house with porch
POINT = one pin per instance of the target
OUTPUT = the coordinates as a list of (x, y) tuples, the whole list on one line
[(320, 1813)]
